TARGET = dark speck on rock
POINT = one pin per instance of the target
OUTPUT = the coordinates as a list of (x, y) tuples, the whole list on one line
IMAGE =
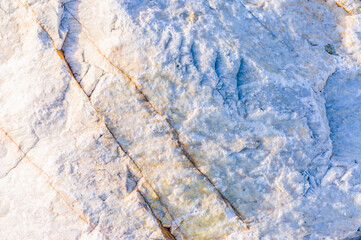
[(330, 49)]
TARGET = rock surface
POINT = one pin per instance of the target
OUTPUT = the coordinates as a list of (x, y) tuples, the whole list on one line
[(141, 119)]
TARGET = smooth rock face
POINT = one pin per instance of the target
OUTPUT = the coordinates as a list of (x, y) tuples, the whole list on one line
[(165, 119)]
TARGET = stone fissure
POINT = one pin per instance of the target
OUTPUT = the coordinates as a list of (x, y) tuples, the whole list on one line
[(67, 202), (165, 231), (62, 57), (175, 134), (18, 162)]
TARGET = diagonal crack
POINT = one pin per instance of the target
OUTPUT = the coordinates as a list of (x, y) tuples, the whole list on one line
[(96, 84), (344, 8), (19, 161), (44, 174), (267, 28), (174, 132), (165, 231), (24, 154)]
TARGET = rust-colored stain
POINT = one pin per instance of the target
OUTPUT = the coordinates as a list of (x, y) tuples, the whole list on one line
[(344, 8)]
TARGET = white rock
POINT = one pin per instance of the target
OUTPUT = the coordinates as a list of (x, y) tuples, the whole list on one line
[(179, 119)]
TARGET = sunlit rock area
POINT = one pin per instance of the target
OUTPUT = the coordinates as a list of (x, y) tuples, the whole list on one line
[(180, 119)]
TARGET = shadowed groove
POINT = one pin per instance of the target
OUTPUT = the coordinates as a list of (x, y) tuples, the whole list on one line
[(165, 231)]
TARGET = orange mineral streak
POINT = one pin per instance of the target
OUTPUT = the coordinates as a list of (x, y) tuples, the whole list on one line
[(63, 59), (174, 133), (80, 214), (344, 8)]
